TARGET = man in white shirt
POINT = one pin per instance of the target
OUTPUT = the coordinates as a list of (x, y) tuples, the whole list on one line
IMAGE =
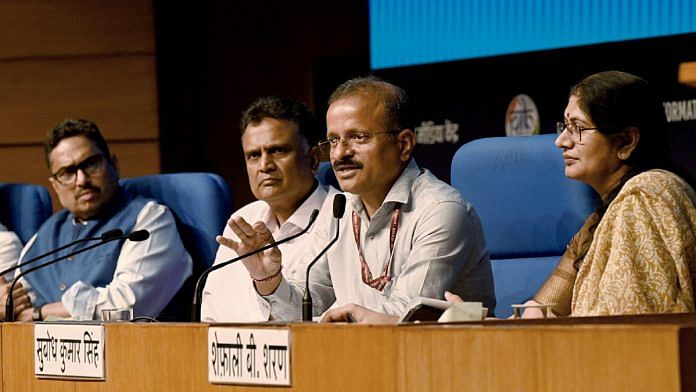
[(405, 233), (277, 138), (143, 275), (10, 247)]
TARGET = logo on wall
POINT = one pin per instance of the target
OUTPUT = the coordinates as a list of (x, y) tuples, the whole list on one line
[(522, 117)]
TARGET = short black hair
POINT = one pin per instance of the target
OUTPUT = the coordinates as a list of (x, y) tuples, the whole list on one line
[(69, 128), (282, 108), (397, 104)]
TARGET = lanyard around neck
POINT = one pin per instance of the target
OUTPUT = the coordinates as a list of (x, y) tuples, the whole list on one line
[(381, 281)]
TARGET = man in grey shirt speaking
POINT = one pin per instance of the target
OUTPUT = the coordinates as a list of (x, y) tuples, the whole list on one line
[(404, 233)]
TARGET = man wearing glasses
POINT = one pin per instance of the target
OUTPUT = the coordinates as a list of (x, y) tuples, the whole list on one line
[(143, 275), (277, 138), (404, 233)]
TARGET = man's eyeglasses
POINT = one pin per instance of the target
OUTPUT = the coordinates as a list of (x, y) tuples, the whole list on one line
[(66, 176), (574, 130), (353, 140)]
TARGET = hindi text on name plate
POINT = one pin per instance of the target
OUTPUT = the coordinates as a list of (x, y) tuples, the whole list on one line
[(259, 356), (70, 351)]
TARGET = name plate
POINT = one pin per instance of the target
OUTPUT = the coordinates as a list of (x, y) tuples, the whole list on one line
[(69, 351), (258, 356)]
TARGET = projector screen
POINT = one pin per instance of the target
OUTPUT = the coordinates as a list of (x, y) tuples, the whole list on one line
[(412, 32)]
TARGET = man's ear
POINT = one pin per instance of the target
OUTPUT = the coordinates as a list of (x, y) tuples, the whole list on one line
[(407, 142), (54, 184), (114, 164), (314, 155), (628, 140)]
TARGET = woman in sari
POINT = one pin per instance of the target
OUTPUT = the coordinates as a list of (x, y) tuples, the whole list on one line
[(637, 252)]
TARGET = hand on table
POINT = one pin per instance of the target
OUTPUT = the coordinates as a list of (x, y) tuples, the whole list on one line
[(358, 314)]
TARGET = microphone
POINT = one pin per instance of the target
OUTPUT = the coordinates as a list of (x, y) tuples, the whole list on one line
[(339, 207), (117, 234), (138, 235), (105, 236), (198, 291)]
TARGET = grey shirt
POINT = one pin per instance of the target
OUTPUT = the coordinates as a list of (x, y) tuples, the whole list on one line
[(439, 246)]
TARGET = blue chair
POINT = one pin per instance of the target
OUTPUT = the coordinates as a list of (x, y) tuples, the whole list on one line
[(23, 208), (201, 204), (326, 175), (528, 208)]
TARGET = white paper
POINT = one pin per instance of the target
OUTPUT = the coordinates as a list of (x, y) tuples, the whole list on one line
[(464, 311)]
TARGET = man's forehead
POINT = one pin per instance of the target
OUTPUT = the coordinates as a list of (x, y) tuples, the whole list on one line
[(360, 102), (72, 150), (268, 136), (356, 113), (268, 145)]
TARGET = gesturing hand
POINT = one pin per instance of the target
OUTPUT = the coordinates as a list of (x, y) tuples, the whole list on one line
[(261, 265)]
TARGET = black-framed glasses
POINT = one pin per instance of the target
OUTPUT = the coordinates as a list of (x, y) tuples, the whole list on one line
[(353, 140), (574, 130), (92, 165)]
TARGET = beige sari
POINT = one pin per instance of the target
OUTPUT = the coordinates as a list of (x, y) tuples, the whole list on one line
[(642, 258)]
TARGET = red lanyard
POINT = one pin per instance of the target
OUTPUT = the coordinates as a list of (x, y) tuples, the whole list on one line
[(380, 282)]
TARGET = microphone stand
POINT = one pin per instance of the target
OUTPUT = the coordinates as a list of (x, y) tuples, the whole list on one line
[(107, 235), (9, 306), (339, 207), (198, 292), (307, 297), (138, 235)]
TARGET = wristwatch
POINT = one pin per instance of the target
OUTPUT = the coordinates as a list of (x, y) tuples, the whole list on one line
[(36, 314)]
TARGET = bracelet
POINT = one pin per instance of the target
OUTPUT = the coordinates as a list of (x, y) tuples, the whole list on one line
[(268, 279)]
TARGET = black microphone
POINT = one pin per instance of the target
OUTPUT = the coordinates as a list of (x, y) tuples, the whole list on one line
[(138, 235), (198, 291), (339, 207), (105, 236)]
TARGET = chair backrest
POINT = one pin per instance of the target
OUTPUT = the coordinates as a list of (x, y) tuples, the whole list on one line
[(23, 208), (201, 204), (528, 208), (326, 175)]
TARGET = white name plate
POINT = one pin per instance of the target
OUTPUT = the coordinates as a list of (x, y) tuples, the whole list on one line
[(258, 356), (70, 351)]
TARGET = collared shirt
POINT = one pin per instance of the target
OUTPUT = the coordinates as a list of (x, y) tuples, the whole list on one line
[(10, 247), (148, 273), (229, 294), (439, 246)]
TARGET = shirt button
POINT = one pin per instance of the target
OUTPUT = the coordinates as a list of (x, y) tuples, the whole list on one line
[(62, 287), (71, 258)]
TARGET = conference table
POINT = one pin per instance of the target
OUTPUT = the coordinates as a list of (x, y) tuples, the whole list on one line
[(626, 353)]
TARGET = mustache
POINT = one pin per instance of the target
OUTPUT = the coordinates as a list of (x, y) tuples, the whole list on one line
[(86, 189), (338, 165)]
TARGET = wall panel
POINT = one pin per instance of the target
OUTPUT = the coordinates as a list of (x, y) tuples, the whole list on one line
[(117, 93), (37, 28), (92, 59)]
